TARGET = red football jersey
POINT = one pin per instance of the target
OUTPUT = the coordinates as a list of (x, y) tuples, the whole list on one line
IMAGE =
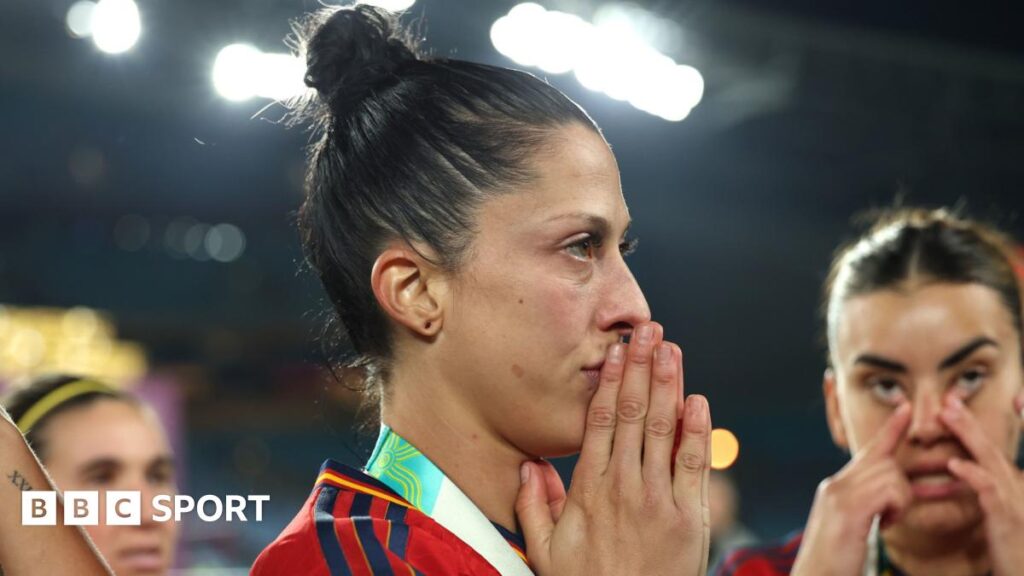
[(353, 524), (770, 560)]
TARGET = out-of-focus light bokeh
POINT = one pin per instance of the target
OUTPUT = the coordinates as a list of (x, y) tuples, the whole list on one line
[(115, 25), (393, 5), (725, 448), (613, 54), (242, 72), (77, 340)]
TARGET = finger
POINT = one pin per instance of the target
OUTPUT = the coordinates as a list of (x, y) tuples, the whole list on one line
[(693, 461), (979, 479), (681, 402), (888, 438), (600, 428), (554, 488), (534, 515), (893, 489), (705, 490), (634, 399), (966, 427), (660, 427)]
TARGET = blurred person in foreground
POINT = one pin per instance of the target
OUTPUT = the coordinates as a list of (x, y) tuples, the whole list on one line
[(727, 532), (925, 388), (468, 224), (92, 437)]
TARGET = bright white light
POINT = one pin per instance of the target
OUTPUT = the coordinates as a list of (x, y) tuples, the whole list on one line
[(225, 242), (79, 18), (613, 55), (115, 25), (392, 5), (241, 72)]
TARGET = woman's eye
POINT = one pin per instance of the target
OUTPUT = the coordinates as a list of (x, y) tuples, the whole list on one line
[(887, 389), (101, 479), (628, 247), (583, 249), (971, 380)]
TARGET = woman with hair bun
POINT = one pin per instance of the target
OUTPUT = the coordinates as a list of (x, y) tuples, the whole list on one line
[(925, 389), (468, 225)]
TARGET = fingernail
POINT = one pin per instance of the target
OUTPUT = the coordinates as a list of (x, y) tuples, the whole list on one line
[(615, 353), (524, 473), (644, 334), (663, 354)]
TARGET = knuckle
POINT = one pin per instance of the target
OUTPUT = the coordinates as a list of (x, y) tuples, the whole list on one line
[(601, 418), (640, 355), (690, 461), (631, 410), (660, 427)]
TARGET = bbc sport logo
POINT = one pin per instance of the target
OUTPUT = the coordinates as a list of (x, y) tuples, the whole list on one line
[(124, 508)]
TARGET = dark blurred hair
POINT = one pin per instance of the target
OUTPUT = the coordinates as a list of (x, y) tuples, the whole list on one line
[(19, 402), (406, 148), (907, 247)]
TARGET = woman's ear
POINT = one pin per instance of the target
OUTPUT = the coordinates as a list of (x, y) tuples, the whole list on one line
[(832, 412), (406, 286)]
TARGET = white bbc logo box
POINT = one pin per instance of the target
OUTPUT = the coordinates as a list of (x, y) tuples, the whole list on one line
[(39, 508), (124, 508)]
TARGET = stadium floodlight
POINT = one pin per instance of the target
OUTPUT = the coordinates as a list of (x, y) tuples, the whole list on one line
[(392, 5), (610, 56), (241, 72), (115, 25), (79, 18)]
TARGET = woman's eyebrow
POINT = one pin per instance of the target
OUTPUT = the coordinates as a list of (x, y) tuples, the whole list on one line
[(966, 350), (100, 464), (599, 223), (879, 361)]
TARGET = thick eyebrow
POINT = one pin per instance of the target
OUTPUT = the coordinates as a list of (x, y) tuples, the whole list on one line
[(99, 464), (951, 360), (966, 350), (162, 460), (880, 362), (599, 223)]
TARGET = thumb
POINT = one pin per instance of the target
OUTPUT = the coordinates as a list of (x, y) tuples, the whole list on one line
[(553, 486), (535, 515)]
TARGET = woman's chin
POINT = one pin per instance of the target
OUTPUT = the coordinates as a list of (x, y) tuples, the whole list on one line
[(943, 516)]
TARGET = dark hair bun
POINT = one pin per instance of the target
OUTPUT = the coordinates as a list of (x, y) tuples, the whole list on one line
[(353, 51)]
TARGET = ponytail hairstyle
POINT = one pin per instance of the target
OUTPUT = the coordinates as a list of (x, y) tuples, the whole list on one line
[(405, 147)]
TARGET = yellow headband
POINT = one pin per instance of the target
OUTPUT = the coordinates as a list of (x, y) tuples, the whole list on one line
[(59, 396)]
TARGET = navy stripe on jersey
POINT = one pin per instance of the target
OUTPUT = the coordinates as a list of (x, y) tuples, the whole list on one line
[(511, 537), (399, 530), (329, 543), (360, 505), (374, 552)]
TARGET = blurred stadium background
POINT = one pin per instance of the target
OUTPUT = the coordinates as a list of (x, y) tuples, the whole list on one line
[(147, 194)]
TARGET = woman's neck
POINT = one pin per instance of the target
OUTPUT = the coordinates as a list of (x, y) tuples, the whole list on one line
[(962, 553), (437, 422)]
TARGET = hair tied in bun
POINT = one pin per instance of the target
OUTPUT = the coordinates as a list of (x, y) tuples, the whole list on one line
[(352, 52)]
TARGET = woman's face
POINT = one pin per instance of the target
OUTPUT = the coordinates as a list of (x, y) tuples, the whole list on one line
[(542, 294), (919, 346), (113, 445)]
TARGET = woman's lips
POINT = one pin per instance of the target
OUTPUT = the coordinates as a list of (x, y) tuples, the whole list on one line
[(932, 481), (593, 376), (142, 559)]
